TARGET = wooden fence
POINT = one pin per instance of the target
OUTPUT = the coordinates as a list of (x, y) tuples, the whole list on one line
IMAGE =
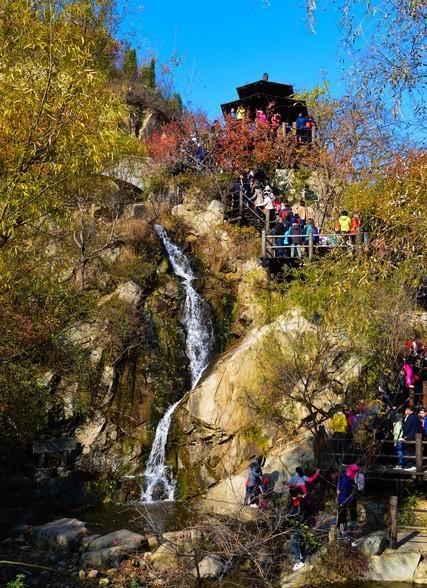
[(273, 246)]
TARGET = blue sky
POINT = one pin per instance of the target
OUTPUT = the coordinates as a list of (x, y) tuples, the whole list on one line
[(221, 44)]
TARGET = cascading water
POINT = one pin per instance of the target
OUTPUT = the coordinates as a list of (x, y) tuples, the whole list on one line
[(199, 332)]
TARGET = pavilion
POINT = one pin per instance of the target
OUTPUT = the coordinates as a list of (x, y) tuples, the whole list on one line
[(271, 97)]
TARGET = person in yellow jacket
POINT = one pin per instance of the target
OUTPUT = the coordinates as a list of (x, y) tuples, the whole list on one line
[(339, 423), (339, 427), (240, 113), (344, 222)]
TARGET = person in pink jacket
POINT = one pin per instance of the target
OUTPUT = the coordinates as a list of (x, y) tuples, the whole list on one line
[(408, 371)]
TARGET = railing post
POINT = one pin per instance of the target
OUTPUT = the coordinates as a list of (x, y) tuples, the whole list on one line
[(267, 222), (358, 240), (310, 245), (425, 393), (313, 133), (263, 244), (240, 205), (419, 452), (393, 522), (284, 129)]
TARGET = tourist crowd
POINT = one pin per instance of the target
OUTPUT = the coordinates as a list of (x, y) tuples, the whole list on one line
[(391, 422), (293, 226), (304, 124), (300, 508)]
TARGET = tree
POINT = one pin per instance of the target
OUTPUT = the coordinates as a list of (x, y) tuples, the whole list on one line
[(130, 64), (59, 119), (387, 38), (59, 128), (148, 74)]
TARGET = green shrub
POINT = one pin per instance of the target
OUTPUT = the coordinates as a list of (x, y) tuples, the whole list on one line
[(18, 582)]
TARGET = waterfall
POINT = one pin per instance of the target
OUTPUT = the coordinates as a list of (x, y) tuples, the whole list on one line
[(197, 322)]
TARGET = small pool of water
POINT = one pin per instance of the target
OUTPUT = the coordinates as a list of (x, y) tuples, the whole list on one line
[(157, 517)]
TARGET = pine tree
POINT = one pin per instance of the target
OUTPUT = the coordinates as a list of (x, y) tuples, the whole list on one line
[(130, 64), (148, 74)]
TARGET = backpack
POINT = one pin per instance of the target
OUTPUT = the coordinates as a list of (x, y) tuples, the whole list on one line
[(359, 480)]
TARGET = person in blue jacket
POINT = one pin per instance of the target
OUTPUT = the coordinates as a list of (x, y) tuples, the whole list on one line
[(347, 500), (410, 427), (300, 121)]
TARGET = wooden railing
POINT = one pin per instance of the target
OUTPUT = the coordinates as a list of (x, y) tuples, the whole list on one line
[(394, 523), (306, 135), (350, 451), (308, 244)]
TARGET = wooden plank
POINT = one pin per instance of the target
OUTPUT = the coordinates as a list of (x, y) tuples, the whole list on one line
[(263, 244), (392, 509), (419, 461), (54, 445)]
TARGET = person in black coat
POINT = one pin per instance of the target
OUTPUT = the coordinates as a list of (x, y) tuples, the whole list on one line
[(279, 230), (410, 427)]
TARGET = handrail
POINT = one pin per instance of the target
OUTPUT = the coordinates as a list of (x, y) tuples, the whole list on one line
[(308, 242), (419, 447)]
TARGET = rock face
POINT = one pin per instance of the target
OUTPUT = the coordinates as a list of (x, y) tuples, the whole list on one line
[(63, 534), (219, 427), (201, 220)]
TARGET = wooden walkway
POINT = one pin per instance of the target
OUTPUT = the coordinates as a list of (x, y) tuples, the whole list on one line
[(274, 253)]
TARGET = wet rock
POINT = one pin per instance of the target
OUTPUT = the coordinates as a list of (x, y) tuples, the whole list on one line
[(211, 566), (64, 534)]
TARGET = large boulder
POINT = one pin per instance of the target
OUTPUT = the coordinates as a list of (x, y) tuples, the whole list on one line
[(109, 550), (123, 537), (62, 534), (221, 427), (178, 545), (394, 566)]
